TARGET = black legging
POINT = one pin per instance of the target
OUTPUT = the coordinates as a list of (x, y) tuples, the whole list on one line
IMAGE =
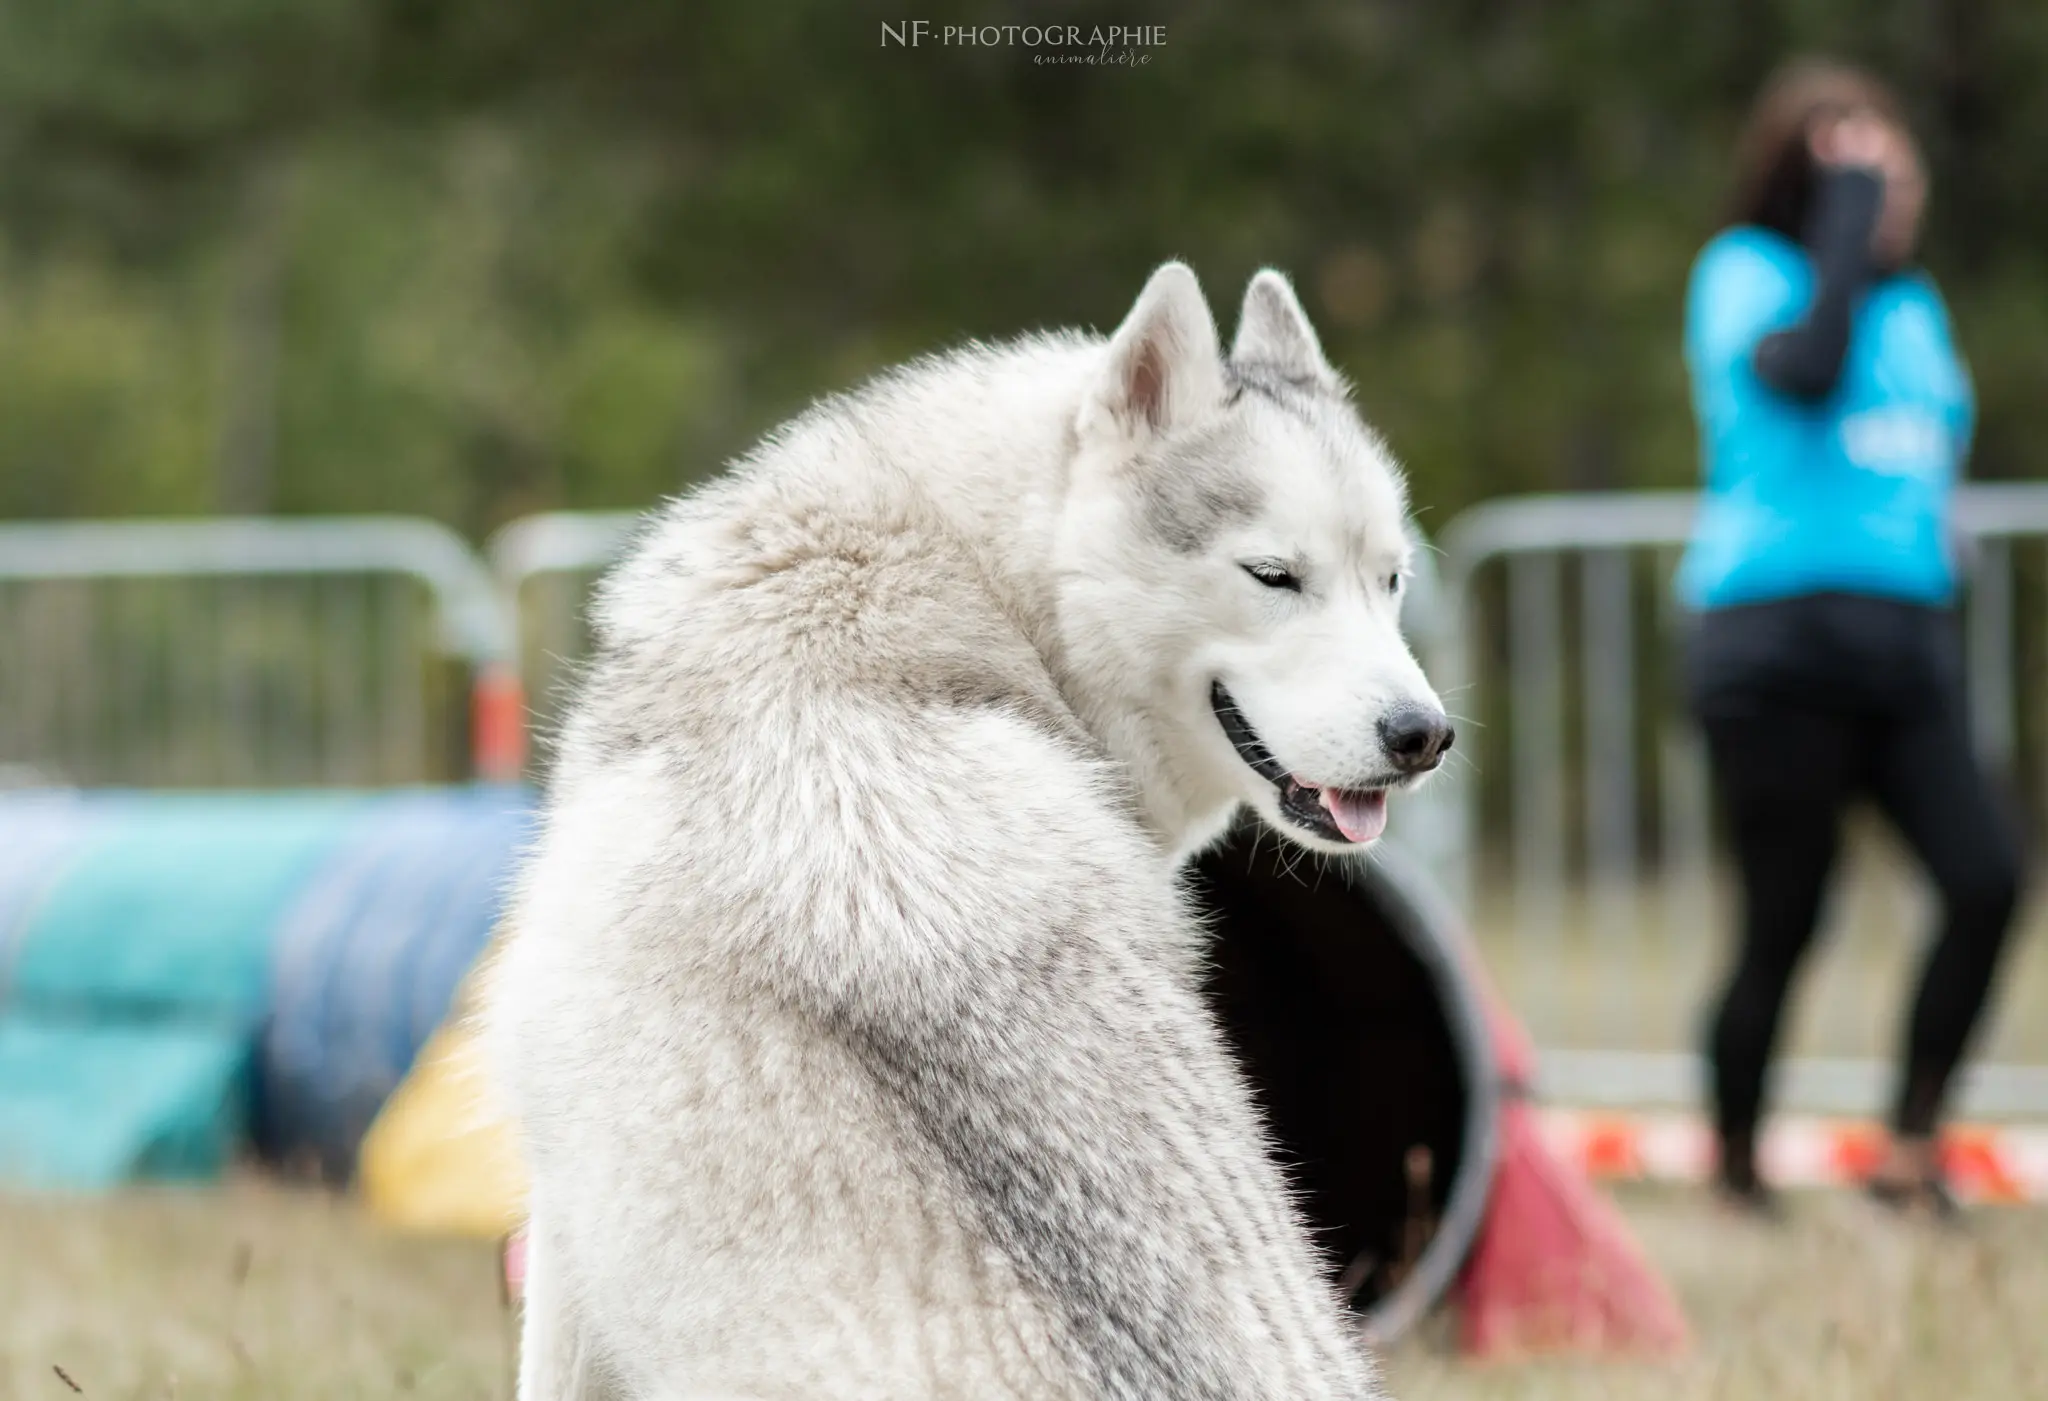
[(1806, 706)]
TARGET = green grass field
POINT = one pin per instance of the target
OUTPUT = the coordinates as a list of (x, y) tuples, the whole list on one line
[(255, 1291)]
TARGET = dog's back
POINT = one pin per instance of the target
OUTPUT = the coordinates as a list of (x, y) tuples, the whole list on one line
[(755, 813)]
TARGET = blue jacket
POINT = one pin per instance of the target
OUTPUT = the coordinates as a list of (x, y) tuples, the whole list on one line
[(1848, 495)]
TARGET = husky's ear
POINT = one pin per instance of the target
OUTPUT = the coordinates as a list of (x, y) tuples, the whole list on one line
[(1273, 331), (1165, 364)]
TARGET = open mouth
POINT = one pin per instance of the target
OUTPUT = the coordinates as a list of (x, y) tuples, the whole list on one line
[(1353, 815)]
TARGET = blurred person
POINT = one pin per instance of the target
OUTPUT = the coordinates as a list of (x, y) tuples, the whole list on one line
[(1823, 663)]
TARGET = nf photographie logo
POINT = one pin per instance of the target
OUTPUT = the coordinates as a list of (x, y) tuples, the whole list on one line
[(1102, 45)]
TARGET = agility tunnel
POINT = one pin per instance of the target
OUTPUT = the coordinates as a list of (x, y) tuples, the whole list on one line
[(1369, 1051), (1396, 1085), (185, 977)]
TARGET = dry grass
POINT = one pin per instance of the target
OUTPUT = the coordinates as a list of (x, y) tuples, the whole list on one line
[(1846, 1303), (260, 1292), (249, 1292)]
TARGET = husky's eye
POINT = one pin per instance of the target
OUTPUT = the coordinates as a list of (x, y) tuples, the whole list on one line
[(1393, 583), (1273, 576)]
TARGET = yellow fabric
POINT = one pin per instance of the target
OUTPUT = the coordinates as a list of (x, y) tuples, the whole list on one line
[(437, 1160)]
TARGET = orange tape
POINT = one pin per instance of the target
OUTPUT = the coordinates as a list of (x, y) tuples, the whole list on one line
[(2005, 1163)]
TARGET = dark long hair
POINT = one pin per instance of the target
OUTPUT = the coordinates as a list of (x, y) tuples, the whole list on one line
[(1774, 174)]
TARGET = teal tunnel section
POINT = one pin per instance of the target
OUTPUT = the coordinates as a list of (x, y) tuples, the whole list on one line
[(183, 975)]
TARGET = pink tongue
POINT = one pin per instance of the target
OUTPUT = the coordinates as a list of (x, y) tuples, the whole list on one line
[(1359, 816)]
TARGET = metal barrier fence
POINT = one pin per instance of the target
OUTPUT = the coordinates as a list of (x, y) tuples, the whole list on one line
[(1584, 852), (545, 566), (250, 652), (1573, 826)]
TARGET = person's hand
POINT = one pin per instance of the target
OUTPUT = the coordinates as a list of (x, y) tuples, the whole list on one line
[(1857, 140), (1865, 141)]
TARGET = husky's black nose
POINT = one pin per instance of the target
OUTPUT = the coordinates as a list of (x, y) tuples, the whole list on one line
[(1416, 739)]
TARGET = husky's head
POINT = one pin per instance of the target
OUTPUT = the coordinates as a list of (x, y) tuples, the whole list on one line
[(1232, 550)]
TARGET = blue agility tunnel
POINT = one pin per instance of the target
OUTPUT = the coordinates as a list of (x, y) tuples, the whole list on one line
[(184, 974), (365, 964)]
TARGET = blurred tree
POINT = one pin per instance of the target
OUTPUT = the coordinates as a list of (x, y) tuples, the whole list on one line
[(474, 257)]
